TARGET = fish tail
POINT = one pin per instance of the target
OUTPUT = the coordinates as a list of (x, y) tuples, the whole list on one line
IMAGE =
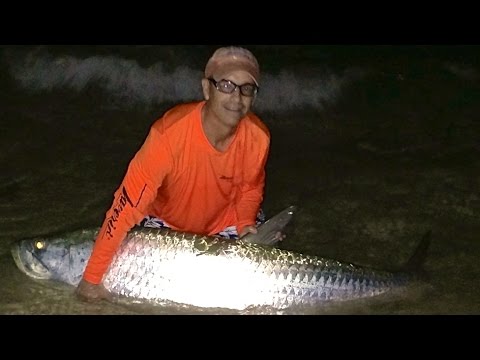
[(416, 262)]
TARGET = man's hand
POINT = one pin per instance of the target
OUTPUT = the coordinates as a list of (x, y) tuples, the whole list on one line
[(92, 292), (248, 229), (279, 236)]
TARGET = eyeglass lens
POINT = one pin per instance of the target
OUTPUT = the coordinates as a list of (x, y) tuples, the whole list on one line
[(228, 87)]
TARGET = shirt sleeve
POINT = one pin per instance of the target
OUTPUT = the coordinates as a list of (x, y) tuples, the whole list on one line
[(251, 195), (132, 199)]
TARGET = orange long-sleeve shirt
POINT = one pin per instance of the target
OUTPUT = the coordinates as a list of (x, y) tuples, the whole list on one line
[(178, 176)]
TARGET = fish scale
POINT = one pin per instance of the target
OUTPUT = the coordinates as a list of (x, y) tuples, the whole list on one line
[(254, 275)]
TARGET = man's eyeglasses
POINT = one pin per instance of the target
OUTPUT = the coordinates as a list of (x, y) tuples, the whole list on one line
[(228, 87)]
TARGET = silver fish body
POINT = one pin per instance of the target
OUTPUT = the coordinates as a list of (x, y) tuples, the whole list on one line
[(159, 265)]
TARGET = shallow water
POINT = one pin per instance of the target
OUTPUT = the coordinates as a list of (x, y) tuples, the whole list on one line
[(386, 149)]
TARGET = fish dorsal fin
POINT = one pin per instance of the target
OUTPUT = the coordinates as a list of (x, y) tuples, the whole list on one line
[(267, 231)]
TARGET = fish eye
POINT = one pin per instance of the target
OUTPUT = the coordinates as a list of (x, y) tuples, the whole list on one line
[(40, 245)]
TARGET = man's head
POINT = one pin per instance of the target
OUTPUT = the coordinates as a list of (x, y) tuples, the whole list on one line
[(230, 85), (227, 60)]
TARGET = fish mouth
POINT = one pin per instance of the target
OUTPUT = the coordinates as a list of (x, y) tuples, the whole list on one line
[(26, 261)]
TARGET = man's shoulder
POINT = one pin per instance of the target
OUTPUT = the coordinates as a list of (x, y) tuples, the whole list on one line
[(176, 113), (181, 110), (256, 123)]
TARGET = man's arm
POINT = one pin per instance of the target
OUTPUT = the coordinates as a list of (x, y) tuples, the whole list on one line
[(138, 189), (251, 195)]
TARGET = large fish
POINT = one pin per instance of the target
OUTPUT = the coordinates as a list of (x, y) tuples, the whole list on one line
[(159, 265)]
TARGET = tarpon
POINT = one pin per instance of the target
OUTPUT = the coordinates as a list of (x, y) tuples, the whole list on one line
[(160, 265)]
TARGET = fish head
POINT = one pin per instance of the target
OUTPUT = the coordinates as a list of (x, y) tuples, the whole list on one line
[(39, 258)]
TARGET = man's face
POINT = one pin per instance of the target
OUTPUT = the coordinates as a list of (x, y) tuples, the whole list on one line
[(230, 108)]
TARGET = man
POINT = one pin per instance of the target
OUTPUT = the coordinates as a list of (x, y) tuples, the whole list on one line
[(201, 168)]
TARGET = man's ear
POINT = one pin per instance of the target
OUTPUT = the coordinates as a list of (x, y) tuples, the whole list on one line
[(206, 88)]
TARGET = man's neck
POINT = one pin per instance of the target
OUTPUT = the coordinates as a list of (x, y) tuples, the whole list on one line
[(218, 134)]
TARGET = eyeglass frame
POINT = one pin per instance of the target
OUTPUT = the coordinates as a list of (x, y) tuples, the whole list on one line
[(240, 87)]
